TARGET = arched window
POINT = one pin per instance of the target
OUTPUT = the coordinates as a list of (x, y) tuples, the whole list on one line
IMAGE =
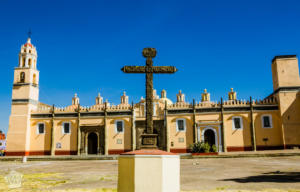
[(34, 79), (29, 63), (22, 77), (23, 62)]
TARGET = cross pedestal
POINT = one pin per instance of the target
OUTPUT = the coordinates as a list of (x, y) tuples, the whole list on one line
[(149, 171), (149, 141)]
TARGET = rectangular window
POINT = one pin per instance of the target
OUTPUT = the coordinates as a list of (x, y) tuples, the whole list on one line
[(119, 126), (267, 121), (237, 123), (180, 124), (66, 128), (41, 128)]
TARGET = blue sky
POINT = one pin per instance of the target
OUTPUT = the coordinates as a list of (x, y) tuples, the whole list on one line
[(82, 45)]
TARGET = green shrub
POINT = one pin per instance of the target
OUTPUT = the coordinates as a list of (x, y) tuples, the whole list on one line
[(206, 148), (200, 147), (214, 148)]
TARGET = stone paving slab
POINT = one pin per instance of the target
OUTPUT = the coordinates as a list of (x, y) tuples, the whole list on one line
[(275, 174), (267, 153)]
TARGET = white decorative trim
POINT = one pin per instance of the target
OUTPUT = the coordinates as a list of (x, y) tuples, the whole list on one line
[(215, 132), (116, 130), (262, 121), (241, 122), (37, 129), (184, 125), (63, 127)]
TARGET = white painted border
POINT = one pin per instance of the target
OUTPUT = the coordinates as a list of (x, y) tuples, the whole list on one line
[(262, 121), (184, 125), (116, 130), (241, 121), (62, 128), (37, 128)]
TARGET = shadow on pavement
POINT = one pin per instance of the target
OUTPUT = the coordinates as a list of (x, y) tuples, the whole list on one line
[(276, 177)]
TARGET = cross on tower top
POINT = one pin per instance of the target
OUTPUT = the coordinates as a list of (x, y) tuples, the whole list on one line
[(29, 33)]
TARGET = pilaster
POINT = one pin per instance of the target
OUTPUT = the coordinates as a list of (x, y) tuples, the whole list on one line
[(253, 137), (167, 127), (133, 129), (105, 131), (52, 132), (78, 130)]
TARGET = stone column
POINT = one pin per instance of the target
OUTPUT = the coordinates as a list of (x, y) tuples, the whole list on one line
[(195, 140), (105, 131), (82, 148), (223, 127), (98, 144), (52, 133), (133, 129), (253, 137), (86, 143), (78, 130), (167, 127)]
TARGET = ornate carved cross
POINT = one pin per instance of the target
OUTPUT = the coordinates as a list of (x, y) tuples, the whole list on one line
[(149, 69)]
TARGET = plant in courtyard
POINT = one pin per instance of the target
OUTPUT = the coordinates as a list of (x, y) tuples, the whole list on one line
[(213, 148), (200, 147), (206, 148)]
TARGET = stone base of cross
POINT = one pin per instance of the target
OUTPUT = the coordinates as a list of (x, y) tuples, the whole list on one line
[(149, 141)]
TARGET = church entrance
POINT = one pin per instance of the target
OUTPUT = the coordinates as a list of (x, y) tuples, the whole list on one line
[(92, 143), (209, 137)]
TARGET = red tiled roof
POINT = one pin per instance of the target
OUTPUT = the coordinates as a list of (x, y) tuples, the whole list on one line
[(28, 44), (148, 152)]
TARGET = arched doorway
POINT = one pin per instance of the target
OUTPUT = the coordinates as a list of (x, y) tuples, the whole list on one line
[(209, 137), (92, 143)]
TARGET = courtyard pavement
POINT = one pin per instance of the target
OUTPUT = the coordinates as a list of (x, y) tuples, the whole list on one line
[(204, 174)]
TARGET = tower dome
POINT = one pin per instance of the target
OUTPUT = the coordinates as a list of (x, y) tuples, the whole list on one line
[(28, 55)]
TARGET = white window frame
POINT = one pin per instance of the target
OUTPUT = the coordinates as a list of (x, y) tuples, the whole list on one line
[(63, 127), (262, 121), (116, 126), (184, 125), (37, 129), (241, 121)]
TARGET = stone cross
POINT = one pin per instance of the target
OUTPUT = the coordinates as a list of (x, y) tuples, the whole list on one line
[(148, 138)]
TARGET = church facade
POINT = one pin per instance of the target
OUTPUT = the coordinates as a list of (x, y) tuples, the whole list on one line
[(36, 128)]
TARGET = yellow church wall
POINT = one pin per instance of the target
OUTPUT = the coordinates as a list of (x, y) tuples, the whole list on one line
[(91, 121), (274, 134), (68, 141), (40, 142), (180, 140), (207, 117), (290, 113), (118, 142), (17, 135), (237, 137), (285, 72)]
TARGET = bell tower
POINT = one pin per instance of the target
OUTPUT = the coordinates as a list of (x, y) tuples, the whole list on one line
[(25, 96)]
